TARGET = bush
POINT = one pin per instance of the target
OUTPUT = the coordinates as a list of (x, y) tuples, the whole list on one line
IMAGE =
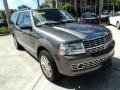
[(104, 19), (4, 30)]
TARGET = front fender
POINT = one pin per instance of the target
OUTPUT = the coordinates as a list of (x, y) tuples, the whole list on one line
[(51, 47)]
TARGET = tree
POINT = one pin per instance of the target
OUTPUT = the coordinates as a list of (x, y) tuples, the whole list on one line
[(115, 2), (23, 6), (45, 5), (67, 6), (7, 12), (38, 3), (2, 14)]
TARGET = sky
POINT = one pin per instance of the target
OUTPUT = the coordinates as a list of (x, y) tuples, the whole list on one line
[(13, 4)]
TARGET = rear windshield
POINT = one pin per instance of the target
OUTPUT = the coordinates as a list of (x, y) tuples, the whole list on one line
[(89, 15), (106, 13)]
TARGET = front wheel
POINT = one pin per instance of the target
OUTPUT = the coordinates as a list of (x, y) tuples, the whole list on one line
[(48, 66), (107, 64)]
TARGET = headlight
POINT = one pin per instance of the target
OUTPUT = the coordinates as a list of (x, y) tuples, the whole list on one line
[(71, 49)]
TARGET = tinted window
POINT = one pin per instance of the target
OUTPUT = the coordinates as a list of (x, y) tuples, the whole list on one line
[(89, 15), (14, 18), (20, 19), (27, 19), (51, 16)]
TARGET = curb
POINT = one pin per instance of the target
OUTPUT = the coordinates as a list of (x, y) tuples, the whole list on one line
[(5, 34)]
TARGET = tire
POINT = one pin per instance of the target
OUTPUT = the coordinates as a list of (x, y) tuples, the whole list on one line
[(107, 63), (17, 45), (118, 25), (54, 74), (109, 22)]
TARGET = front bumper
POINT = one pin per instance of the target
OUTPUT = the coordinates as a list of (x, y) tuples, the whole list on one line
[(67, 64)]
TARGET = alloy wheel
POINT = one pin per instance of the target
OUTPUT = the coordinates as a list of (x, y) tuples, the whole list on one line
[(46, 66)]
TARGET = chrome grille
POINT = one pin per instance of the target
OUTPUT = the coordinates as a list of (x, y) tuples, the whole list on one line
[(97, 42), (95, 49), (99, 48), (97, 45)]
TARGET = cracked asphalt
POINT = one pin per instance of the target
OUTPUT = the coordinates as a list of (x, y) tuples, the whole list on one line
[(20, 71)]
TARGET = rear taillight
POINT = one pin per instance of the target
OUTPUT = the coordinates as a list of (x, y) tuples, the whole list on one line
[(82, 20), (98, 21)]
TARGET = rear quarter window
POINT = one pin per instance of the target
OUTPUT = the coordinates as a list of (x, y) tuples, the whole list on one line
[(14, 18)]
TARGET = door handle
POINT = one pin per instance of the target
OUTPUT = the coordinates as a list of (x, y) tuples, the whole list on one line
[(27, 33)]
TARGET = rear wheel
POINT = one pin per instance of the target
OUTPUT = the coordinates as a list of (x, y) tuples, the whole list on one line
[(48, 66), (118, 25), (17, 45)]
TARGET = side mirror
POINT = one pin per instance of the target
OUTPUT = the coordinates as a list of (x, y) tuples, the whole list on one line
[(25, 26)]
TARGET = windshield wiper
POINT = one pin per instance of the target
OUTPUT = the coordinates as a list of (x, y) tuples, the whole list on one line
[(68, 21), (48, 23)]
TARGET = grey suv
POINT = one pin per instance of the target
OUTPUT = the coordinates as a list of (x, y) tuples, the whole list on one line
[(60, 43)]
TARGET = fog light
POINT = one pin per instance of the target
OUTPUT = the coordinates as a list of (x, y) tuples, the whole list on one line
[(80, 66), (77, 66)]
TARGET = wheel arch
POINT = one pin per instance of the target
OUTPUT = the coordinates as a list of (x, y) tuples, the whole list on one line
[(44, 44), (40, 48)]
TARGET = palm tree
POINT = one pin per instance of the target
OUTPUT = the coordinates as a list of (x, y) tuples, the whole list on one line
[(100, 7), (38, 3), (115, 2), (7, 12)]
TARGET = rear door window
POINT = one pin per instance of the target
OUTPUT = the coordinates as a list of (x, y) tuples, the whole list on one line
[(14, 18)]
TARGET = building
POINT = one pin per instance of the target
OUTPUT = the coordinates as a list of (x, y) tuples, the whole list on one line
[(81, 6)]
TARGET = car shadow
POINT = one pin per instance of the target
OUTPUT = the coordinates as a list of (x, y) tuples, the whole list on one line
[(103, 79)]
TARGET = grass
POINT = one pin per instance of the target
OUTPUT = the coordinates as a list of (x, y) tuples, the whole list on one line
[(4, 30)]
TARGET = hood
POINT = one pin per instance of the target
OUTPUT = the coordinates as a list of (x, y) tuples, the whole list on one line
[(84, 31), (74, 31)]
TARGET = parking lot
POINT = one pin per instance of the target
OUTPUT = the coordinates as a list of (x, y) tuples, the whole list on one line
[(20, 71)]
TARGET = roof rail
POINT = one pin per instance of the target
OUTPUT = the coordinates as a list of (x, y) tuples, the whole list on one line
[(23, 9)]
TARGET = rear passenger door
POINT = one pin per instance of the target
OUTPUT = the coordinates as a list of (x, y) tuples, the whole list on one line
[(28, 32), (18, 31)]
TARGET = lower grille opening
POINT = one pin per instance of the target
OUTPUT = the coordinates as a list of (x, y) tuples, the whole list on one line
[(90, 64)]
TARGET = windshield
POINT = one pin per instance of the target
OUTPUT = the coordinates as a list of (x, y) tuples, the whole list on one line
[(51, 16)]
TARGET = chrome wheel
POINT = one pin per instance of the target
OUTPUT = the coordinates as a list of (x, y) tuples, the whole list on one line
[(46, 66)]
